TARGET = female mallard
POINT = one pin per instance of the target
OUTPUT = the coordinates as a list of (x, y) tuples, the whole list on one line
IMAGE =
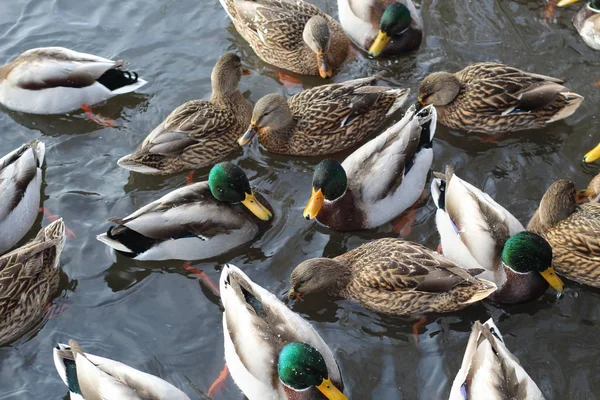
[(490, 371), (378, 181), (478, 233), (271, 352), (28, 279), (20, 185), (91, 377), (194, 222), (592, 193), (494, 98), (382, 27), (573, 232), (290, 34), (392, 276), (324, 119), (198, 133), (587, 21), (55, 80)]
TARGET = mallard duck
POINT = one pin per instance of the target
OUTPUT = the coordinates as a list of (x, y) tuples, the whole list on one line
[(587, 21), (592, 155), (272, 352), (378, 181), (392, 276), (478, 233), (198, 133), (490, 371), (20, 186), (494, 98), (55, 80), (382, 27), (324, 119), (197, 221), (92, 377), (573, 232), (592, 193), (290, 34), (28, 279)]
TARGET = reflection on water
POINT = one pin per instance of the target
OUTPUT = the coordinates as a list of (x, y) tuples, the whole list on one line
[(165, 321)]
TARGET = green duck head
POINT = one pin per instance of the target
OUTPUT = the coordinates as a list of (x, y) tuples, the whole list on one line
[(395, 19), (329, 183)]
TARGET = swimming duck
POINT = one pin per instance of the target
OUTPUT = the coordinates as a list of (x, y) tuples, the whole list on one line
[(324, 119), (20, 186), (292, 35), (592, 155), (379, 180), (494, 98), (592, 193), (198, 133), (55, 80), (573, 232), (272, 352), (91, 377), (478, 233), (382, 27), (197, 221), (29, 278), (587, 21), (490, 371), (392, 276)]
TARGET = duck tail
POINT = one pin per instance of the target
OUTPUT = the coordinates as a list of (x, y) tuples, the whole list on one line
[(131, 163), (121, 81), (400, 98), (573, 101), (484, 289)]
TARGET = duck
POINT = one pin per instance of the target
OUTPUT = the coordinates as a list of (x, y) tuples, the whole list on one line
[(30, 277), (292, 35), (57, 80), (383, 28), (272, 352), (587, 21), (20, 192), (322, 120), (379, 180), (391, 276), (194, 222), (572, 230), (592, 193), (490, 371), (592, 155), (199, 133), (478, 233), (91, 377), (495, 98)]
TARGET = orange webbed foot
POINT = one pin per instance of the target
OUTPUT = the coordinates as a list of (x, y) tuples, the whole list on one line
[(549, 13), (416, 327), (403, 224), (189, 179), (492, 138), (102, 121), (217, 385), (51, 217), (289, 81), (202, 276)]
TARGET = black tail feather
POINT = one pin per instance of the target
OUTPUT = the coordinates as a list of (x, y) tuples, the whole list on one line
[(116, 78)]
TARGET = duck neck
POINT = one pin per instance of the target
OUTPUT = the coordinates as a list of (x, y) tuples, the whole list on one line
[(595, 5), (277, 140), (343, 275), (236, 102), (516, 288)]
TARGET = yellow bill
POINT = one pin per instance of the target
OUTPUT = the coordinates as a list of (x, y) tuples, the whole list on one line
[(323, 63), (592, 155), (256, 208), (317, 199), (553, 279), (330, 391), (379, 44), (294, 295), (246, 71), (564, 3), (583, 196), (246, 137)]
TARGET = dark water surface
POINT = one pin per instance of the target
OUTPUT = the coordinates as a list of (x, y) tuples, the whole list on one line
[(155, 317)]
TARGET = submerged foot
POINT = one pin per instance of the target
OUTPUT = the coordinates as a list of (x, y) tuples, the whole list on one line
[(416, 327), (289, 81), (202, 276), (217, 385), (51, 217), (102, 121)]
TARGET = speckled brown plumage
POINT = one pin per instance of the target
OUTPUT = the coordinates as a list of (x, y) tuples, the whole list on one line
[(573, 232), (28, 280), (392, 276), (274, 29), (496, 98)]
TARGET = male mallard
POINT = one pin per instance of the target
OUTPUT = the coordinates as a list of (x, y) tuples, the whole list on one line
[(382, 27), (587, 21), (90, 377), (55, 80), (592, 155), (28, 280), (495, 98), (324, 119), (378, 181), (476, 232), (272, 352), (194, 222), (573, 232), (198, 133), (490, 371), (20, 185), (392, 276), (290, 34)]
